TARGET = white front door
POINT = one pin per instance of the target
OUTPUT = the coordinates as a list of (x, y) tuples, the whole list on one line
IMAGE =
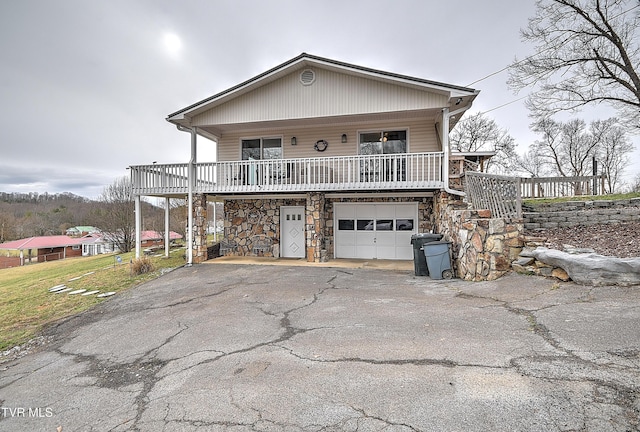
[(292, 241)]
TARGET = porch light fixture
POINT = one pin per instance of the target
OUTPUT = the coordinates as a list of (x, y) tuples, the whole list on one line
[(294, 141), (344, 138)]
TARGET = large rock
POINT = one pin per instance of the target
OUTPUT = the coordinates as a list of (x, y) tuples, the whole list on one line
[(591, 268)]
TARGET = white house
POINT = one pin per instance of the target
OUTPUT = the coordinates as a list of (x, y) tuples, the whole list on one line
[(316, 158)]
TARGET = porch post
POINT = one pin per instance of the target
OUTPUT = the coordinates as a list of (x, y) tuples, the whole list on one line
[(190, 181), (167, 230), (445, 147), (199, 227), (315, 227), (138, 223)]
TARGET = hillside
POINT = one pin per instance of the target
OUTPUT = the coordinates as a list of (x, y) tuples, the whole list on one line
[(618, 240), (32, 214)]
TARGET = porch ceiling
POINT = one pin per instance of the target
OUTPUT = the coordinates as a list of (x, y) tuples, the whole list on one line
[(360, 119)]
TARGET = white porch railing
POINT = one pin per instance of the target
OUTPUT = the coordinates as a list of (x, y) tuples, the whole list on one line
[(372, 172)]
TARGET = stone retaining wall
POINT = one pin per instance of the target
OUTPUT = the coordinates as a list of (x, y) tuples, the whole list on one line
[(585, 213), (482, 247)]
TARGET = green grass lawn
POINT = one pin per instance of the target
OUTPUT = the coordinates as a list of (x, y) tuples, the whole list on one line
[(27, 306)]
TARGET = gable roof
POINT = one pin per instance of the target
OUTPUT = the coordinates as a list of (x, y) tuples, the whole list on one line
[(308, 60), (41, 242)]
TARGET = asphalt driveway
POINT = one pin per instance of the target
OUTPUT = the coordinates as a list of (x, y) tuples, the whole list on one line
[(270, 348)]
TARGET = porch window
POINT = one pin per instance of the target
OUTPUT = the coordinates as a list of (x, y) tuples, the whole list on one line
[(381, 168), (383, 142), (262, 148)]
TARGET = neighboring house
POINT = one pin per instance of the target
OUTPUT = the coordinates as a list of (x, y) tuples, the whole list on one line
[(96, 244), (155, 238), (46, 248), (79, 231), (322, 158)]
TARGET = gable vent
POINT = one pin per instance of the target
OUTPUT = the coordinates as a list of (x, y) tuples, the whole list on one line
[(307, 77)]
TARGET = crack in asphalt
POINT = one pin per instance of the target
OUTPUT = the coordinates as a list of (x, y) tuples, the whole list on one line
[(626, 393), (380, 419), (535, 326), (112, 375), (394, 362), (191, 299)]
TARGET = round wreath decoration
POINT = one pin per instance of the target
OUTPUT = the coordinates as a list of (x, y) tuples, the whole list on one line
[(321, 145)]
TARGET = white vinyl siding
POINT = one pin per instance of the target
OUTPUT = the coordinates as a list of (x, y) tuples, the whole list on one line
[(331, 94), (421, 138)]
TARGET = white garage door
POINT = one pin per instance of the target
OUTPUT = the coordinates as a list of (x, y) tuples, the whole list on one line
[(375, 231)]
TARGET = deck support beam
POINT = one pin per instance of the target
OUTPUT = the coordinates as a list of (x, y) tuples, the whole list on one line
[(167, 229)]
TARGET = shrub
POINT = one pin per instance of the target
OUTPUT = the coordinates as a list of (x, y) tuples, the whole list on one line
[(142, 265)]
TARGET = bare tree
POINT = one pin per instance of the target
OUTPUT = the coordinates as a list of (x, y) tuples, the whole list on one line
[(587, 52), (635, 184), (479, 133), (566, 148), (178, 216), (116, 215), (614, 148), (7, 227), (154, 217), (532, 163)]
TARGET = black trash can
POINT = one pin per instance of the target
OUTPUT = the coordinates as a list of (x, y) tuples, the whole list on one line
[(438, 257), (419, 261)]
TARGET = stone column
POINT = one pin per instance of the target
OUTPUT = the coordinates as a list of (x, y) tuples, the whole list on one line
[(199, 228), (315, 220)]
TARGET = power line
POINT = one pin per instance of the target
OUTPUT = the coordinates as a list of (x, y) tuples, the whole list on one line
[(490, 75), (541, 51), (505, 104)]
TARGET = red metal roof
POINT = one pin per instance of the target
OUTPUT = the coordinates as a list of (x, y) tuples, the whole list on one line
[(41, 242), (155, 235)]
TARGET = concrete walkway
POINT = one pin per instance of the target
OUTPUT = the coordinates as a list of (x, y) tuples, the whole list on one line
[(334, 263), (236, 347)]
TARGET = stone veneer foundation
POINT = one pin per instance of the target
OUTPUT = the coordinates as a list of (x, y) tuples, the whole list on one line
[(247, 218), (482, 247)]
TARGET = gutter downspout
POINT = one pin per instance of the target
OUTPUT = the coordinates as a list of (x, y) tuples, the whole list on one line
[(446, 115), (190, 168)]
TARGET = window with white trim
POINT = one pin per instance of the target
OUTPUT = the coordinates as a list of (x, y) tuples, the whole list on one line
[(384, 167), (382, 142), (261, 148)]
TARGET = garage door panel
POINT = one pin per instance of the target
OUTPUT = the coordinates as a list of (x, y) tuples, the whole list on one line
[(365, 210), (385, 211), (404, 253), (346, 244), (405, 211)]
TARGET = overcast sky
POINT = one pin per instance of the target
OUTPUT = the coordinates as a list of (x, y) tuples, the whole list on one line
[(85, 86)]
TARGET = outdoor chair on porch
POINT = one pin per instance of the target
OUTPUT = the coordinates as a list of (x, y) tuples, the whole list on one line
[(228, 246), (260, 244)]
